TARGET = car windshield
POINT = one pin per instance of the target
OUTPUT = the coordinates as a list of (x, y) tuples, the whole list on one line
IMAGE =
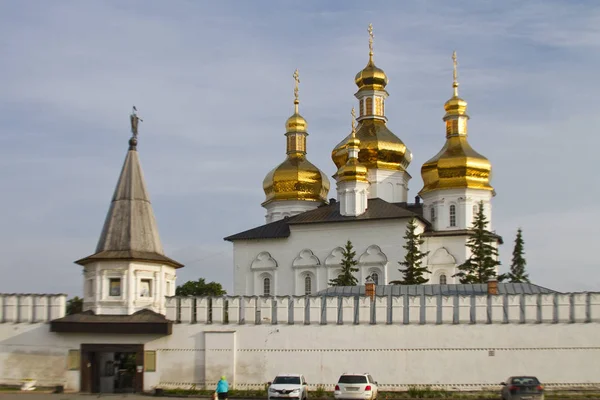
[(353, 379), (287, 380), (525, 380)]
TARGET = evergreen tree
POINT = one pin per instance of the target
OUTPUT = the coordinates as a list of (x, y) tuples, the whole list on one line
[(413, 272), (517, 267), (346, 278), (481, 266), (74, 305)]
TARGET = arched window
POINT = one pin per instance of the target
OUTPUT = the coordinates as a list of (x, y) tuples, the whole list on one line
[(432, 213), (369, 104), (267, 286), (452, 215), (443, 279), (307, 285), (375, 277)]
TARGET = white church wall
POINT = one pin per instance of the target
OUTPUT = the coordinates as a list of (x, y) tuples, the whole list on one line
[(464, 201), (529, 334), (252, 265)]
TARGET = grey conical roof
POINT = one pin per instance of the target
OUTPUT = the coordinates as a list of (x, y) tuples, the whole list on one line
[(130, 230)]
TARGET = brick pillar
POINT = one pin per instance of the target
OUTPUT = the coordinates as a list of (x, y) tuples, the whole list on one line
[(370, 289)]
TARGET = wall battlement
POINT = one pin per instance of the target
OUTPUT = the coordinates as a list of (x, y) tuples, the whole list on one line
[(583, 307), (30, 308)]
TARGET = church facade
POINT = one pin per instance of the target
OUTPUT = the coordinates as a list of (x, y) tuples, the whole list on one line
[(299, 248)]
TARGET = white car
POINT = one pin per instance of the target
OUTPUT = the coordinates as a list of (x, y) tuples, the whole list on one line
[(288, 386), (356, 386)]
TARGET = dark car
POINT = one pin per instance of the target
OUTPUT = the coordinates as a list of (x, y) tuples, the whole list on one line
[(522, 388)]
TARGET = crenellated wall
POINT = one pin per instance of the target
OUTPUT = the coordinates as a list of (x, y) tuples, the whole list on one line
[(22, 308), (449, 342), (455, 309)]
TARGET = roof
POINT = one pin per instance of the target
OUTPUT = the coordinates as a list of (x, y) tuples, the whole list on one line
[(130, 228), (377, 209), (436, 289), (457, 232), (141, 322)]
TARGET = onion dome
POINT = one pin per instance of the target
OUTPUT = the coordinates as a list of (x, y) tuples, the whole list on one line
[(379, 147), (352, 170), (457, 165), (296, 178)]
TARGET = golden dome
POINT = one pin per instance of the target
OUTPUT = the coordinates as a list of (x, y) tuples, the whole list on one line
[(296, 178), (379, 147), (352, 170), (296, 123), (457, 165), (371, 77)]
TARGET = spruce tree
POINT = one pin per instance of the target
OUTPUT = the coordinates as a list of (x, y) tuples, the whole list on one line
[(481, 266), (413, 272), (517, 267), (346, 278)]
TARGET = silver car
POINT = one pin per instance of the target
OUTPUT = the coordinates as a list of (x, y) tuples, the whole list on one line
[(522, 388)]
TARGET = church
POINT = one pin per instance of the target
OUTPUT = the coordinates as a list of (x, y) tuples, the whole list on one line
[(299, 248)]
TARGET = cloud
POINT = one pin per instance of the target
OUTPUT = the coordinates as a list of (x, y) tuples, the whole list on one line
[(213, 84)]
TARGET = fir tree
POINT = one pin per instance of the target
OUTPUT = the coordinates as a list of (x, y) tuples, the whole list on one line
[(413, 272), (481, 266), (517, 267), (346, 278)]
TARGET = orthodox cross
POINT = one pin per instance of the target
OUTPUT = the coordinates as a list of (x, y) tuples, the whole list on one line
[(296, 97), (371, 36), (454, 74), (353, 122)]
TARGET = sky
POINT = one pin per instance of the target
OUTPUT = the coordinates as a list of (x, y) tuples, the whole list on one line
[(213, 84)]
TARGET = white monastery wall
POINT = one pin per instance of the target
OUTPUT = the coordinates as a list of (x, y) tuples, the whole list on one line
[(461, 342), (378, 247)]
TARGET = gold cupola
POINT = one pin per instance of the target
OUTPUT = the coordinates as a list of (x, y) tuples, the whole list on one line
[(296, 178), (380, 148), (353, 170), (457, 165)]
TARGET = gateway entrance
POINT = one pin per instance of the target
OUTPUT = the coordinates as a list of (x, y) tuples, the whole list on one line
[(112, 368)]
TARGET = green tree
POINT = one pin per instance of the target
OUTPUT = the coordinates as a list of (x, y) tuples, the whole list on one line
[(517, 267), (200, 288), (74, 305), (481, 266), (413, 271), (349, 263)]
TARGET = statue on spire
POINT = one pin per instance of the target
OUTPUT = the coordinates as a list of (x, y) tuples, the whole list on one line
[(454, 74), (134, 121), (371, 36)]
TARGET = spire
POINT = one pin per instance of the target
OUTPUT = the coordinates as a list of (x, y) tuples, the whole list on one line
[(296, 125), (130, 230), (456, 108)]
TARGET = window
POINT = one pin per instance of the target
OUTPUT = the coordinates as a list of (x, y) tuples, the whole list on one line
[(375, 277), (452, 215), (266, 286), (168, 289), (286, 380), (353, 379), (149, 361), (73, 360), (146, 288), (432, 213), (443, 279), (369, 103), (90, 287), (114, 287), (362, 108), (307, 285)]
